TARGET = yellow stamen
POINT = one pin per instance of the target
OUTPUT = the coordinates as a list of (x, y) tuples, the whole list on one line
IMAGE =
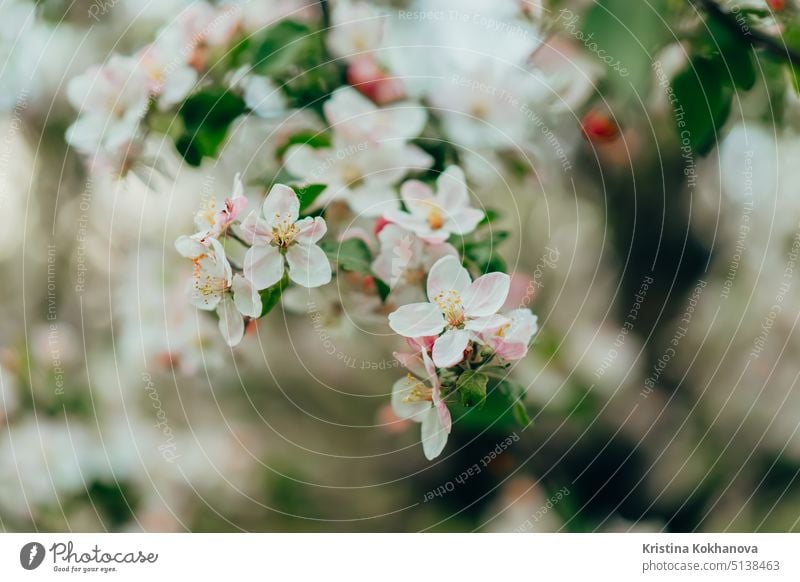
[(449, 302)]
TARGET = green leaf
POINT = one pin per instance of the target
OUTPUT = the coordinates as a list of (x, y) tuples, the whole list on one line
[(383, 288), (271, 295), (731, 54), (282, 45), (351, 255), (515, 393), (705, 98), (307, 194), (310, 138), (482, 254), (622, 35), (471, 386), (489, 217), (206, 118)]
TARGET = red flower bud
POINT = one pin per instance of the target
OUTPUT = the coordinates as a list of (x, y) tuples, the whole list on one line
[(598, 127)]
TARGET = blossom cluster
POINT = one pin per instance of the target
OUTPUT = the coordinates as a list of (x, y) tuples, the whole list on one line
[(378, 190)]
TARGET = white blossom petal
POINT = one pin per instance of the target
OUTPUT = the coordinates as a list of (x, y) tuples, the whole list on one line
[(446, 274), (448, 350), (486, 295), (409, 410), (451, 189), (281, 204), (263, 265), (417, 197), (434, 435), (245, 296), (231, 324), (308, 265), (417, 320), (310, 230)]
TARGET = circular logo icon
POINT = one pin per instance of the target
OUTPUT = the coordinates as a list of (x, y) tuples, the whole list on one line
[(31, 555)]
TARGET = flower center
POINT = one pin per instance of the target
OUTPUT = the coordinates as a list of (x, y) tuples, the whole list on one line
[(284, 232), (207, 286), (353, 176), (435, 217), (207, 211), (418, 392), (450, 304)]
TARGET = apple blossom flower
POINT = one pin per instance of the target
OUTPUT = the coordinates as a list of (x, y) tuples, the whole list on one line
[(370, 153), (459, 307), (356, 28), (169, 80), (512, 340), (355, 118), (361, 175), (404, 259), (214, 287), (279, 234), (434, 217), (414, 400), (112, 99)]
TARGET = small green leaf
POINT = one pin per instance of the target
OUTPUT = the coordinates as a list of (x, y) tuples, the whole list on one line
[(206, 118), (515, 394), (489, 217), (383, 288), (310, 138), (282, 45), (271, 295), (308, 194), (351, 255), (705, 100), (521, 414), (471, 386)]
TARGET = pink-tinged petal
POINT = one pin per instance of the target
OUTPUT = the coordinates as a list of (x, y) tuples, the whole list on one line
[(308, 265), (486, 295), (263, 266), (246, 296), (434, 435), (231, 324), (463, 221), (449, 349), (444, 416), (417, 320), (409, 410), (510, 351), (281, 204), (447, 274), (488, 323), (451, 189), (256, 229), (412, 362), (310, 230), (424, 343), (417, 197)]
